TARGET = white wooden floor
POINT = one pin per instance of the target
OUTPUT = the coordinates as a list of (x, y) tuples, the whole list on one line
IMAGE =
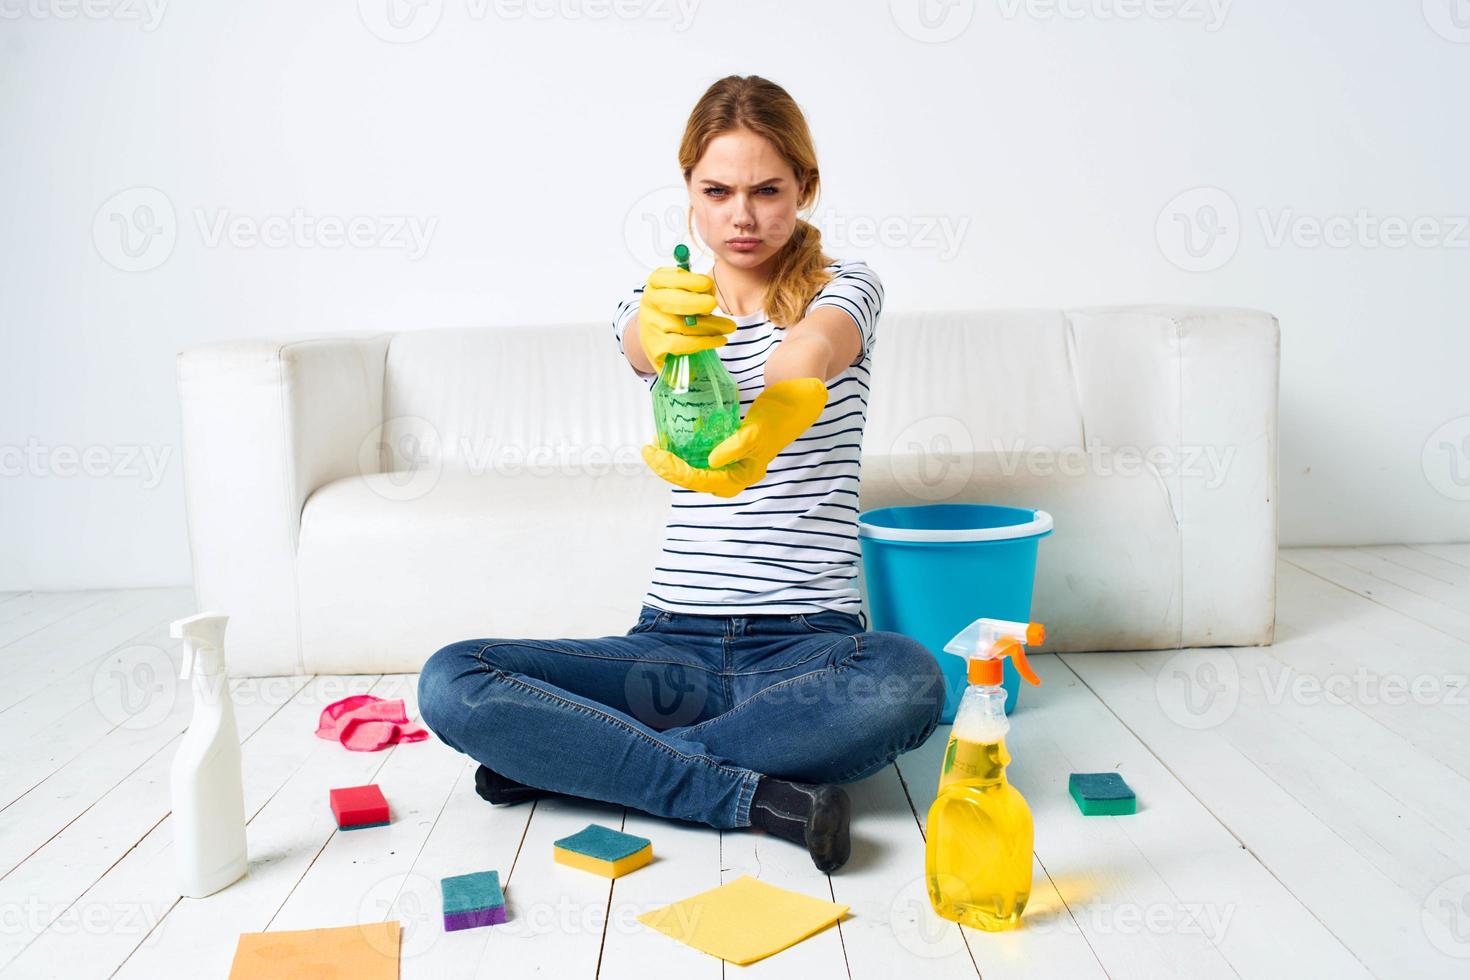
[(1304, 811)]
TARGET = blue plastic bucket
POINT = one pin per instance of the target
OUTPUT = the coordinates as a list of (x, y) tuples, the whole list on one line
[(933, 569)]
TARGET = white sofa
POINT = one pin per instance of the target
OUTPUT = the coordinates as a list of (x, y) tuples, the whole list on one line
[(355, 503)]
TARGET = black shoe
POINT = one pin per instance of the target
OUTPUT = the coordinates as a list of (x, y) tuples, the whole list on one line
[(815, 816), (495, 788)]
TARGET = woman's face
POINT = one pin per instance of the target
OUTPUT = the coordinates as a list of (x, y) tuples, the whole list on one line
[(744, 197)]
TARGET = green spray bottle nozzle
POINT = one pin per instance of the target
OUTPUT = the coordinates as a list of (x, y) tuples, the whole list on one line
[(681, 256)]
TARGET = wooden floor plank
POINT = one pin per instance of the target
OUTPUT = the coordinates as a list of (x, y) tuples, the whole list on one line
[(131, 686), (1374, 656), (892, 930), (1258, 835), (138, 891), (1439, 568), (33, 611), (1333, 565), (1319, 869), (71, 862), (197, 937), (468, 835), (1048, 943), (780, 862), (1457, 553), (686, 861), (556, 913), (41, 658)]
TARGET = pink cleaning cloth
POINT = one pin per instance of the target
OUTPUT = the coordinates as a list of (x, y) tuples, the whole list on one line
[(364, 723)]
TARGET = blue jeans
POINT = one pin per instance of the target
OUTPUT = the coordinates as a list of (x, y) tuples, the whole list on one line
[(682, 715)]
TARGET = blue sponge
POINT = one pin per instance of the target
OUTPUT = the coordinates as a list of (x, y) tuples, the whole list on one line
[(603, 844)]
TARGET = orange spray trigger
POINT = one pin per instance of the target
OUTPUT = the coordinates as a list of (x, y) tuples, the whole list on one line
[(1018, 657)]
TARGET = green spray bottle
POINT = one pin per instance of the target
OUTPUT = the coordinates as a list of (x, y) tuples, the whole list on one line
[(696, 402)]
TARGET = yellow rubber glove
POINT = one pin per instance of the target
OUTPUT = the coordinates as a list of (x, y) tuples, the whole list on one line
[(778, 415), (669, 295)]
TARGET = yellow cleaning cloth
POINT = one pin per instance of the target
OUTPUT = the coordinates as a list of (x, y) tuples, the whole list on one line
[(365, 952), (744, 920)]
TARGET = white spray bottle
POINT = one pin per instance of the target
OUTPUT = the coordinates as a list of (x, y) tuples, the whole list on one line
[(208, 793)]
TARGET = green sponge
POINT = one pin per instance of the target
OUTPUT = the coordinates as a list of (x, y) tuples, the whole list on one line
[(603, 851), (1102, 794)]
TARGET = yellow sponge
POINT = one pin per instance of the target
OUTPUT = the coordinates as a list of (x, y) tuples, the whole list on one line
[(603, 851)]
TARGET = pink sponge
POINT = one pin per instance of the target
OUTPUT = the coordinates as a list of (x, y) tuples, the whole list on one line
[(359, 806)]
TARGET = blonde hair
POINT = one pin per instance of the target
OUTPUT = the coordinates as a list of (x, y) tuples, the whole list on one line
[(766, 109)]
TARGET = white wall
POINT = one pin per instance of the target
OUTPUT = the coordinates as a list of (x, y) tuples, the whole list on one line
[(538, 138)]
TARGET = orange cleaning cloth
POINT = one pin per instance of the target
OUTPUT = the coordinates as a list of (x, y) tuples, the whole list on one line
[(365, 952)]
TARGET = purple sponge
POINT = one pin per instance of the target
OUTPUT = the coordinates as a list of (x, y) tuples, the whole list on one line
[(472, 900)]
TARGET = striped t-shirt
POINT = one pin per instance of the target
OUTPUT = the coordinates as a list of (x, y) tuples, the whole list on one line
[(787, 544)]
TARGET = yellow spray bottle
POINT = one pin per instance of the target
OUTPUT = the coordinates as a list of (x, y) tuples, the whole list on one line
[(978, 837)]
